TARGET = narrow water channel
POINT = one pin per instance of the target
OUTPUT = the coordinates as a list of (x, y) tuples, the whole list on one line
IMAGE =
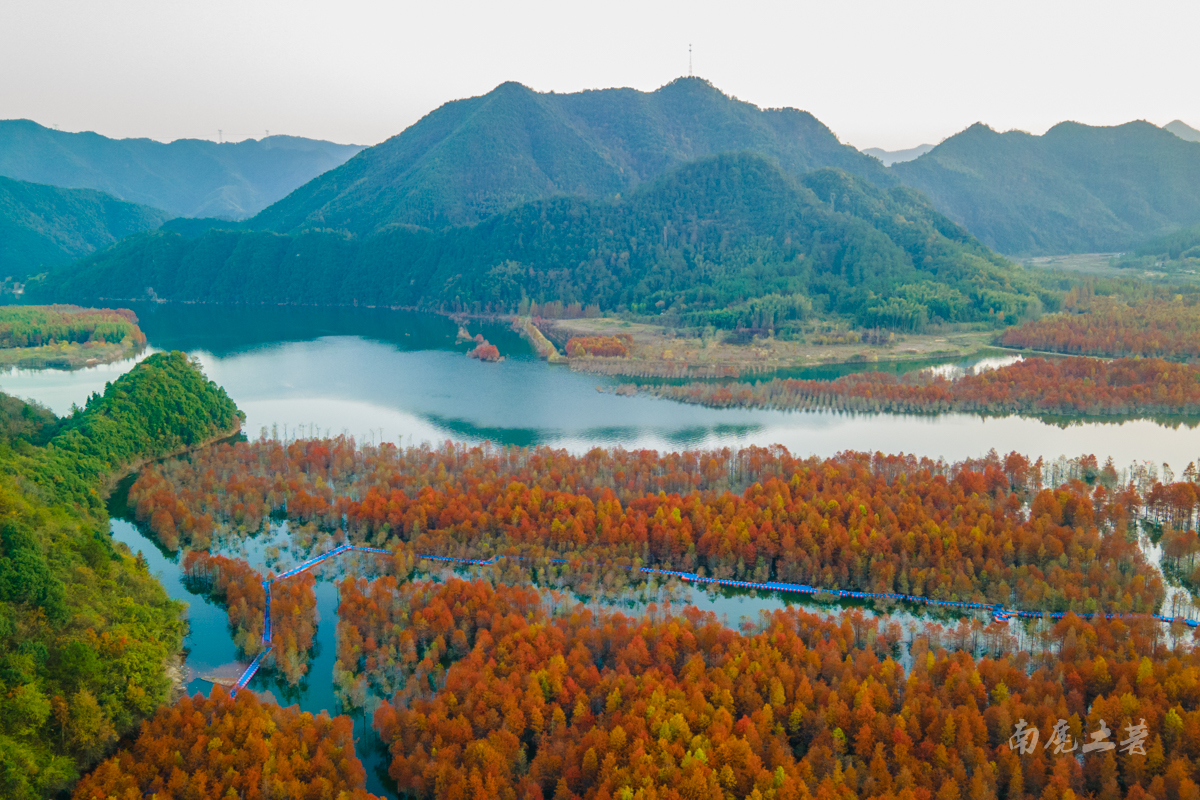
[(211, 653)]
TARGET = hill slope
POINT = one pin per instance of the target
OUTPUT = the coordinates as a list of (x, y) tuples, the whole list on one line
[(1075, 189), (726, 241), (1183, 130), (186, 178), (472, 158), (889, 157), (1176, 252), (44, 226)]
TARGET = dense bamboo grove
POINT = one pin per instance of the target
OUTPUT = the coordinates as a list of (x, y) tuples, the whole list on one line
[(1033, 386), (982, 531)]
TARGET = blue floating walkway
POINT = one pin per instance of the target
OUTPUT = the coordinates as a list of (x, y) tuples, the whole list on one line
[(999, 612)]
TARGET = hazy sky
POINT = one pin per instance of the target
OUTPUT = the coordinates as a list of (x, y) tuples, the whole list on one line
[(883, 74)]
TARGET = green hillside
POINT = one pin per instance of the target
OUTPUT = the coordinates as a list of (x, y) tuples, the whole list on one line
[(44, 226), (86, 632), (1175, 252), (186, 178), (472, 158), (729, 241), (1076, 189)]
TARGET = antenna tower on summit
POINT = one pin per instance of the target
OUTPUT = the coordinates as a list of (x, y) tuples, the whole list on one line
[(689, 60)]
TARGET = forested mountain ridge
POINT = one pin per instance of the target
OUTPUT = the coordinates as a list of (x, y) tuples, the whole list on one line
[(727, 241), (85, 631), (186, 178), (1075, 189), (472, 158), (1183, 130), (45, 226)]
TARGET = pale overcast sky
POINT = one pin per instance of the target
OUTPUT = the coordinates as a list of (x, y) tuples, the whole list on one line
[(880, 74)]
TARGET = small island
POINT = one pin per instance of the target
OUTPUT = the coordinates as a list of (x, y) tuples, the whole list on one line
[(66, 337)]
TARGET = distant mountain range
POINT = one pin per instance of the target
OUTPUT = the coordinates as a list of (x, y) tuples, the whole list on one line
[(472, 158), (45, 226), (1183, 130), (1075, 189), (889, 157), (518, 196), (185, 178), (728, 241)]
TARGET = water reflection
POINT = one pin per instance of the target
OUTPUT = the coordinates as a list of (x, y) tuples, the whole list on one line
[(400, 377)]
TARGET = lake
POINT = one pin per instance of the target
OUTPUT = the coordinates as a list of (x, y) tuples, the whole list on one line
[(400, 377)]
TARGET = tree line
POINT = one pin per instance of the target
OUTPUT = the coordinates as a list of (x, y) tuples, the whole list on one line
[(985, 531), (1114, 327), (1072, 387), (34, 326)]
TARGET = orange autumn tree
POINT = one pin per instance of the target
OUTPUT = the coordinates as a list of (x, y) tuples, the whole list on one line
[(1154, 327), (578, 704), (218, 747), (391, 633), (1063, 387), (610, 346), (293, 608), (984, 530)]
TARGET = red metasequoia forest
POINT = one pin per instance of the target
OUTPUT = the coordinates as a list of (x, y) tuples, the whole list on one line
[(986, 530), (293, 609), (1068, 387), (524, 702), (508, 692), (612, 346), (219, 748), (1103, 326)]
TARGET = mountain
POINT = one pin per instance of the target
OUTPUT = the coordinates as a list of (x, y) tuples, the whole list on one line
[(472, 158), (1076, 189), (1183, 130), (1178, 251), (186, 178), (889, 157), (727, 241), (45, 226)]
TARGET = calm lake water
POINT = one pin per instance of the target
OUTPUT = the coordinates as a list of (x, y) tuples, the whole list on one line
[(399, 376)]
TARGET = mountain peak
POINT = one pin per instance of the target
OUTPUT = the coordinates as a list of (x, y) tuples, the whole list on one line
[(472, 158), (1183, 130), (1075, 189), (187, 177)]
